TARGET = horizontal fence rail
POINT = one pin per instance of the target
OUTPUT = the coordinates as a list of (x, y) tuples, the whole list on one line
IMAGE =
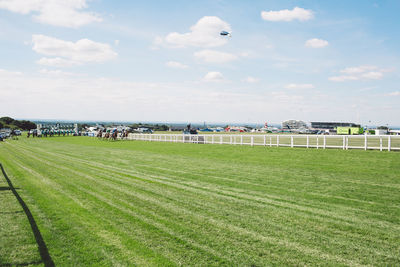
[(385, 142)]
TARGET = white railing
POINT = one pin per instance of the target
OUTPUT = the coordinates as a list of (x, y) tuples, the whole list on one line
[(386, 142)]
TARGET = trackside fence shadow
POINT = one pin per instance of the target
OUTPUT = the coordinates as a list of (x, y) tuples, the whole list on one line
[(43, 251)]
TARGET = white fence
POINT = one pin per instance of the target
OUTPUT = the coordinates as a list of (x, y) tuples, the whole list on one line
[(365, 142)]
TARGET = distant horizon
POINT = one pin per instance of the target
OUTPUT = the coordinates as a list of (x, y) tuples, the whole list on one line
[(185, 123)]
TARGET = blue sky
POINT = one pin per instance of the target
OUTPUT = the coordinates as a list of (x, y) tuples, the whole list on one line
[(165, 60)]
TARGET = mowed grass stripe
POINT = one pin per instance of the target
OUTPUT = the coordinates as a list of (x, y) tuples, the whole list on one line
[(328, 200), (278, 199), (80, 188), (56, 192), (107, 187), (298, 188), (296, 246), (276, 171), (160, 170), (217, 194)]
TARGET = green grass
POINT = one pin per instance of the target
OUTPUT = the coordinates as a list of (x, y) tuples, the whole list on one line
[(107, 203)]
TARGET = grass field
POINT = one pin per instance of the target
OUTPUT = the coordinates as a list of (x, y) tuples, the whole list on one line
[(107, 203)]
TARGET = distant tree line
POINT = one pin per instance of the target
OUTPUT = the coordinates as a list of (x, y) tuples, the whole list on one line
[(7, 122)]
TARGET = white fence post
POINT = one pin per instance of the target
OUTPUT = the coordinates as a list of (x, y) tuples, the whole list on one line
[(380, 143), (241, 139), (230, 139), (212, 139), (220, 139), (270, 141), (389, 143), (291, 141), (277, 140), (252, 140), (344, 142), (265, 140), (308, 141), (324, 141), (317, 142), (365, 142)]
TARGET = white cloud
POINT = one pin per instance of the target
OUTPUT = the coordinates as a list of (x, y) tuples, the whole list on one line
[(57, 62), (67, 53), (299, 86), (343, 78), (205, 33), (83, 97), (359, 69), (395, 93), (363, 72), (288, 15), (54, 72), (316, 43), (372, 75), (212, 56), (177, 65), (116, 42), (250, 79), (9, 73), (213, 76), (65, 13)]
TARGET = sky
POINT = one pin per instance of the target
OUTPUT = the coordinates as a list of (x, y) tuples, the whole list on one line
[(166, 61)]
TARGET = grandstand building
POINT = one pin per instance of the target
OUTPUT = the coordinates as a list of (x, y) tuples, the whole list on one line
[(332, 125)]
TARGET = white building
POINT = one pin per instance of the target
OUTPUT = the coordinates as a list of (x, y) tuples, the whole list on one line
[(381, 132), (293, 125)]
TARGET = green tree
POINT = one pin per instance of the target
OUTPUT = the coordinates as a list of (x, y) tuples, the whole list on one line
[(6, 120), (26, 125)]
